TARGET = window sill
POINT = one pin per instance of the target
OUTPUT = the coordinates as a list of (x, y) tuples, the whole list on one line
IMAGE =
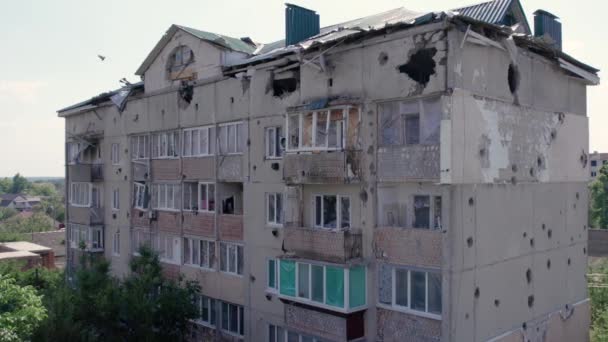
[(170, 210), (228, 332), (231, 154), (170, 262), (203, 323), (202, 268), (312, 150), (80, 205), (200, 156), (165, 158), (232, 274), (273, 158), (410, 311)]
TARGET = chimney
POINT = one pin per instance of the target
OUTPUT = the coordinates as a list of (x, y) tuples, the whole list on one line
[(300, 24), (547, 25)]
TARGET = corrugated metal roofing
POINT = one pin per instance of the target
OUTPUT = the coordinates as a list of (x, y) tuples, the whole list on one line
[(231, 43), (491, 12)]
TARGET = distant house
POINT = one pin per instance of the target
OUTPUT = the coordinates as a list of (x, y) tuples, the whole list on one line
[(32, 253), (19, 202)]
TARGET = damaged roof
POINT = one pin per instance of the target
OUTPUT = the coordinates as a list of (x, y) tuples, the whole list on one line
[(493, 12), (103, 97), (230, 43)]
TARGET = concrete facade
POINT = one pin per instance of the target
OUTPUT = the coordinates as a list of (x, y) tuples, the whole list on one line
[(487, 204)]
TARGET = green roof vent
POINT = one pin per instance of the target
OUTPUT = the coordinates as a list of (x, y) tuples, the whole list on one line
[(300, 24)]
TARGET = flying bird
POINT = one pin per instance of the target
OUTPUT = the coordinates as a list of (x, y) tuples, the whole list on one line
[(102, 58)]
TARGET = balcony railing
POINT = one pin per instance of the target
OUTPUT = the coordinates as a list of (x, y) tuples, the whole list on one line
[(324, 244), (322, 167)]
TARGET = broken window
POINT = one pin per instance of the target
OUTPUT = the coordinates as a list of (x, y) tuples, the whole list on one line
[(74, 152), (231, 258), (165, 145), (410, 123), (274, 142), (272, 274), (332, 211), (284, 83), (206, 200), (422, 212), (232, 138), (274, 203), (181, 57), (116, 243), (116, 199), (415, 290), (199, 142), (323, 129), (139, 147)]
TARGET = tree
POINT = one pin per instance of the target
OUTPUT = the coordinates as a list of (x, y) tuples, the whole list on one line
[(42, 189), (599, 200), (20, 184), (5, 185), (21, 310)]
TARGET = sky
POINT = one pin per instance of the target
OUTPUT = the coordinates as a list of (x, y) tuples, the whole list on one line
[(49, 56)]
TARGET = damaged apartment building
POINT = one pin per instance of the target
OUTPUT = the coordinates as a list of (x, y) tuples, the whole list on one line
[(399, 177)]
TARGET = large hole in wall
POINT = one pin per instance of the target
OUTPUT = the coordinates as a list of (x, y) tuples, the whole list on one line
[(513, 78), (285, 83), (421, 66)]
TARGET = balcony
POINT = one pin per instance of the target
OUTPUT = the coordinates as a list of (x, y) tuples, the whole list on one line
[(89, 237), (230, 227), (323, 286), (86, 215), (323, 324), (96, 172), (326, 167), (329, 245), (411, 246)]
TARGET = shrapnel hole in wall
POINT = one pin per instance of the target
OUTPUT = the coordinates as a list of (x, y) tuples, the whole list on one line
[(513, 78)]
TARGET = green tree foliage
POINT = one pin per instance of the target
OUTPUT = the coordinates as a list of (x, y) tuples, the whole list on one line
[(598, 292), (21, 310), (5, 185), (6, 213), (42, 189), (144, 306), (38, 222), (19, 184), (599, 200)]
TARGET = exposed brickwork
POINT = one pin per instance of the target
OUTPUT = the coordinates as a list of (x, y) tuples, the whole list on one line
[(199, 224), (230, 227), (394, 326), (166, 169), (169, 221), (322, 244), (408, 246), (418, 162), (321, 168), (139, 218), (170, 271), (315, 323), (198, 168), (230, 168)]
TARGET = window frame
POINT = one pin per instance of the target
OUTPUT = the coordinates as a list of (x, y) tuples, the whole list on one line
[(115, 154), (140, 188), (278, 219), (165, 141), (408, 309), (200, 199), (175, 198), (342, 137), (338, 211), (77, 190), (162, 242), (116, 199), (240, 312), (269, 287), (210, 131), (236, 247), (139, 142), (225, 127), (273, 133), (211, 256), (212, 307), (116, 243)]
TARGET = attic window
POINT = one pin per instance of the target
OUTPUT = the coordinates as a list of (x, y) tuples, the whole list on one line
[(179, 60)]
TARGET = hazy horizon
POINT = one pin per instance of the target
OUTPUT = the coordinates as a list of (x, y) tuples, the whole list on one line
[(54, 45)]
